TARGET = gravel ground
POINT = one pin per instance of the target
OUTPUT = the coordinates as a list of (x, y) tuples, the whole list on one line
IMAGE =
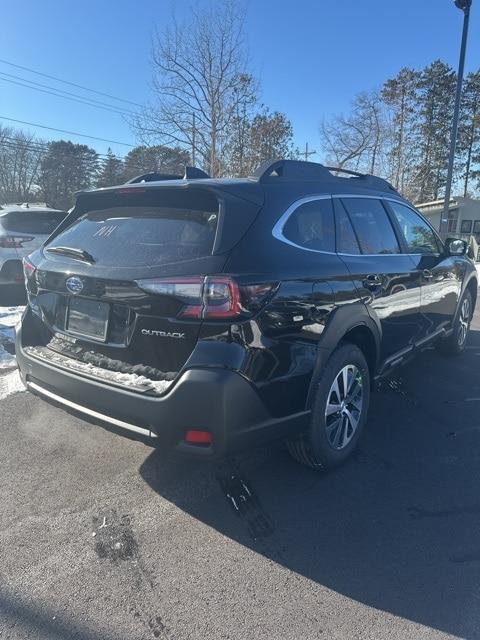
[(104, 537)]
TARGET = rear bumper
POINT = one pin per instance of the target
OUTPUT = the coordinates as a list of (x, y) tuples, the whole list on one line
[(214, 399)]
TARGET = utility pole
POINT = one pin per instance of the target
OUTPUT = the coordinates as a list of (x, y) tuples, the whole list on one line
[(194, 142), (463, 5), (307, 152)]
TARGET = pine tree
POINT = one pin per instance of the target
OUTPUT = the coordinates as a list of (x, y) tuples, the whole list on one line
[(111, 170), (436, 96), (400, 96), (468, 145), (66, 168)]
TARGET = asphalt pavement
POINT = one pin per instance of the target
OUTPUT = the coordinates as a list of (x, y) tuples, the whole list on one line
[(104, 537)]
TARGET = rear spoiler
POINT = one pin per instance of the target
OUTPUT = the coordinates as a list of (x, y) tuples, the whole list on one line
[(242, 202)]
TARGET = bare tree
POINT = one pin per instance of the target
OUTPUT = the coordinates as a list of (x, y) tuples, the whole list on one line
[(200, 82), (356, 141), (236, 145), (20, 158)]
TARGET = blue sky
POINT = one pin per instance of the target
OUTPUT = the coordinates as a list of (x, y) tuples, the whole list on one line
[(311, 56)]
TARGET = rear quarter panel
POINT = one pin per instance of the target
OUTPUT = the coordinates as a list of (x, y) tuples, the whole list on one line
[(281, 345)]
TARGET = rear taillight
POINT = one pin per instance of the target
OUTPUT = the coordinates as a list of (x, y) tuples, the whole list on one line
[(13, 242), (210, 297), (29, 271), (221, 299), (28, 268)]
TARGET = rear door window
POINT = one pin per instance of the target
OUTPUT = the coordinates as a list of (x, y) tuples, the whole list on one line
[(141, 236), (311, 225), (36, 222), (372, 225)]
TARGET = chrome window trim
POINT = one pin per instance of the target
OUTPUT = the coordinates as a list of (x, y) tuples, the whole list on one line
[(277, 230), (375, 255)]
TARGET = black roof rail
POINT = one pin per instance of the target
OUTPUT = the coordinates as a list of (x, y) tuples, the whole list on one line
[(369, 180), (273, 170), (290, 170)]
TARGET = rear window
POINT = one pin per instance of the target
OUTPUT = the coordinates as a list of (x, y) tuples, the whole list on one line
[(311, 225), (142, 235), (37, 222)]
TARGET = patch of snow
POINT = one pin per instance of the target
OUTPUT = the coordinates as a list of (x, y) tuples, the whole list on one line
[(10, 318), (10, 383), (7, 360), (130, 380)]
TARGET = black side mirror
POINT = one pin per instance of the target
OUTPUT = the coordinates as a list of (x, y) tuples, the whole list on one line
[(455, 247)]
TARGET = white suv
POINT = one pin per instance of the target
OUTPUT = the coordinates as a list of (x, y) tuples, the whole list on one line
[(23, 228)]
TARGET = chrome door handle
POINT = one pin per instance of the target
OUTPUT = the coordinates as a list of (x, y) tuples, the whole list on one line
[(427, 274)]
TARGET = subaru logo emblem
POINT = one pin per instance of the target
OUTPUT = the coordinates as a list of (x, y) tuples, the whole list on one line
[(74, 284)]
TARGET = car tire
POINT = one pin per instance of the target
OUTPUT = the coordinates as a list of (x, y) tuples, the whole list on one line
[(455, 343), (337, 421)]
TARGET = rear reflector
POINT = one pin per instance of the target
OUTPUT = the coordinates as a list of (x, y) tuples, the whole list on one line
[(194, 436)]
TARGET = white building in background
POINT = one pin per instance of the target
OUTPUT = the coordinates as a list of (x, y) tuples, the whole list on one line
[(463, 216)]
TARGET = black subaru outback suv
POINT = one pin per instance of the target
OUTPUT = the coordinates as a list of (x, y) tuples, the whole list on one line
[(218, 314)]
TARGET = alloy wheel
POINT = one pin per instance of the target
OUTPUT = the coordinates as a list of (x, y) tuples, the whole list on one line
[(344, 406), (464, 321)]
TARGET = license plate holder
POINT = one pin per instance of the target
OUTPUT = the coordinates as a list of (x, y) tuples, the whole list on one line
[(88, 319)]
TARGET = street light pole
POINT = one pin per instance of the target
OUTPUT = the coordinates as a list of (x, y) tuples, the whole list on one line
[(464, 5)]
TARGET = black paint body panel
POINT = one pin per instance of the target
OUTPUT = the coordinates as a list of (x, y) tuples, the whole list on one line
[(271, 358)]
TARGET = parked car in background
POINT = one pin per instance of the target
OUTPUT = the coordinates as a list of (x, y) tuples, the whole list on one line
[(23, 228), (216, 314)]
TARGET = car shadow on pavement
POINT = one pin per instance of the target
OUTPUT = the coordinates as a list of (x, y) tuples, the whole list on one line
[(396, 528), (12, 295)]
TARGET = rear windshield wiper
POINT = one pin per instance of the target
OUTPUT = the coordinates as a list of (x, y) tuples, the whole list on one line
[(72, 252)]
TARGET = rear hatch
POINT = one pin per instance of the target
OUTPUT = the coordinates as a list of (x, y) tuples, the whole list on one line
[(119, 286), (27, 229)]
